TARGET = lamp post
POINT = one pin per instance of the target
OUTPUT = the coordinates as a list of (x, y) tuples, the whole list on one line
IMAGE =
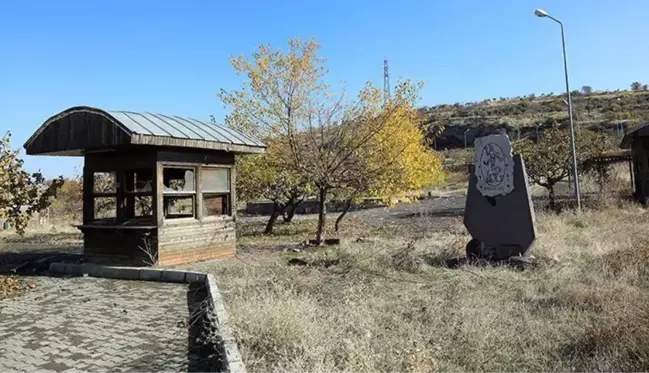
[(465, 132), (543, 14)]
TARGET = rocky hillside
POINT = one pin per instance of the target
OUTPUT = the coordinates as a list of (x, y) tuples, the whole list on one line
[(521, 117)]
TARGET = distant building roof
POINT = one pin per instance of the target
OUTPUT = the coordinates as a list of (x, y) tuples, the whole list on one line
[(82, 128), (640, 131)]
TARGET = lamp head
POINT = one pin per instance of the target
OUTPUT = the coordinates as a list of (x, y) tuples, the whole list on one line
[(541, 13)]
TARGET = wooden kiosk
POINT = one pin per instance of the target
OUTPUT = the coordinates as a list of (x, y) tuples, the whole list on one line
[(638, 141), (156, 188)]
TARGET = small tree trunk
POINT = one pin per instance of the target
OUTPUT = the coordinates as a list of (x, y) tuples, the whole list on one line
[(322, 216), (552, 198), (289, 213), (346, 207), (273, 218)]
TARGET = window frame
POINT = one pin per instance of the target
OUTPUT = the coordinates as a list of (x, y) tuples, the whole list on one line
[(180, 193), (198, 193), (124, 196), (212, 193), (114, 194), (131, 214)]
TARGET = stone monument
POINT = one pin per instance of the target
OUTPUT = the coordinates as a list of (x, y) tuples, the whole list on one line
[(499, 213)]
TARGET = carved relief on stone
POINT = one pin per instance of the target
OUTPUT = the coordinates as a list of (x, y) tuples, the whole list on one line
[(494, 165)]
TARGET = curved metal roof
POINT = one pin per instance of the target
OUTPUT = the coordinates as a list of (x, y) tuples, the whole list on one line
[(640, 131), (136, 128)]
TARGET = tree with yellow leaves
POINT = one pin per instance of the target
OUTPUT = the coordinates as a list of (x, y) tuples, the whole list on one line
[(279, 89), (367, 146), (397, 160), (276, 95)]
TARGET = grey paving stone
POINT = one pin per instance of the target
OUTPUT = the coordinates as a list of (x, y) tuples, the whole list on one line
[(95, 325)]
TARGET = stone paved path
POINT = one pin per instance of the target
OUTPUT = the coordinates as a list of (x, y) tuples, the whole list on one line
[(95, 325)]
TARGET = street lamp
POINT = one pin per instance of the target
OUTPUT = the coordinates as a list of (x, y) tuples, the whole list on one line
[(465, 132), (618, 125), (543, 14)]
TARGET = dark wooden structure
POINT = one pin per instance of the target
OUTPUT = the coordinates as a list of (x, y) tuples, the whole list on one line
[(156, 188), (638, 141)]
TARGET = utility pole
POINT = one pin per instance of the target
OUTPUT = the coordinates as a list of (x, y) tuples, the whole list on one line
[(543, 14), (386, 80)]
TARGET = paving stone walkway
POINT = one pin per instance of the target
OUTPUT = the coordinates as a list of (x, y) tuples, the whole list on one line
[(95, 325)]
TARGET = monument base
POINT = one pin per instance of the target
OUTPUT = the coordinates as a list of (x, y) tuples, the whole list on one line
[(478, 250)]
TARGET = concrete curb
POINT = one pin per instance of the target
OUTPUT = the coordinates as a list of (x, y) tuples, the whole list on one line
[(130, 273), (233, 362)]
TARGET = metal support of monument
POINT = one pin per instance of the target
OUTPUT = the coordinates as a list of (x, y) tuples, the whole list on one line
[(573, 155)]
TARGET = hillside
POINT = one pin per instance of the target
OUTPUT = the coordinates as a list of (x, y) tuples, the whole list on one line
[(524, 116)]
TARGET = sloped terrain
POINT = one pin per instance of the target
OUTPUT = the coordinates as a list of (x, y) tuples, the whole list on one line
[(521, 117)]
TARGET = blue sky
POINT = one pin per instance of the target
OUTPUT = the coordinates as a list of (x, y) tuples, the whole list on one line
[(172, 56)]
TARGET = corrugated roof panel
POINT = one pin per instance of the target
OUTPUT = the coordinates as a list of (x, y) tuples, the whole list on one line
[(172, 130), (236, 136), (246, 139), (179, 127), (137, 129), (146, 122), (198, 129), (215, 131), (192, 133), (138, 123), (130, 123), (240, 138)]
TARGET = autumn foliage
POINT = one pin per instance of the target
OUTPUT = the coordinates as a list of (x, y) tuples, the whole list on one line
[(265, 176), (21, 193), (548, 161), (321, 142)]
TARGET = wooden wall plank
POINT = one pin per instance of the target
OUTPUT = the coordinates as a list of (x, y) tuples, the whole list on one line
[(78, 131), (196, 240), (170, 258), (121, 158)]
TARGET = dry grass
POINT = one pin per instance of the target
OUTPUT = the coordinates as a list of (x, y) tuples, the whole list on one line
[(64, 238), (390, 304)]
